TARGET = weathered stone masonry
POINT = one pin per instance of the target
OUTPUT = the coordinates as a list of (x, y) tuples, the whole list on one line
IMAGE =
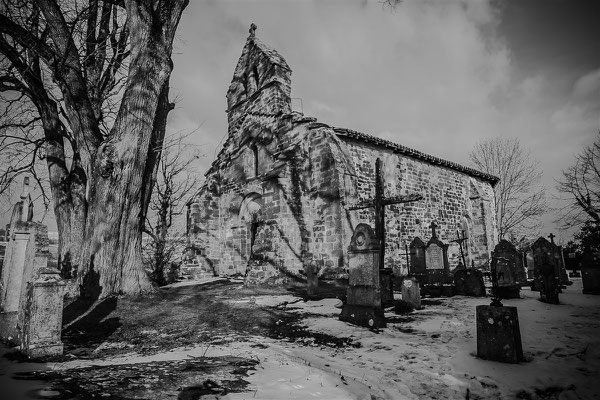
[(274, 199)]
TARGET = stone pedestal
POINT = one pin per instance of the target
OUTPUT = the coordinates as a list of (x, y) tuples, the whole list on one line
[(41, 318), (590, 277), (363, 299), (411, 292), (498, 334)]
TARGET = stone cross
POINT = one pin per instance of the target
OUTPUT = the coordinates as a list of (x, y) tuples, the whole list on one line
[(379, 203), (433, 225), (551, 236)]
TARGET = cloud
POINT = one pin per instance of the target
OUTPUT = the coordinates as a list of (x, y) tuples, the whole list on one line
[(587, 85)]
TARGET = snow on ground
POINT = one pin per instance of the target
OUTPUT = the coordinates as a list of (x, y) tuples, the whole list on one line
[(427, 354), (430, 353)]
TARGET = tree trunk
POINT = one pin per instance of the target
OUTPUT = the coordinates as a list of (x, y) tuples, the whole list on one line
[(111, 259)]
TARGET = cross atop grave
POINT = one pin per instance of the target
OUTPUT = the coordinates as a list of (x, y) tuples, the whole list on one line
[(460, 241), (433, 225), (551, 236), (379, 203)]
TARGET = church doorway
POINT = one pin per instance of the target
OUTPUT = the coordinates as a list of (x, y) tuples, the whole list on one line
[(251, 220)]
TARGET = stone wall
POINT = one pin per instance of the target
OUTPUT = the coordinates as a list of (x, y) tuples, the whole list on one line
[(454, 200)]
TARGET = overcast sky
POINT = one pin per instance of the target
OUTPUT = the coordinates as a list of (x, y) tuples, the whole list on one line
[(436, 76)]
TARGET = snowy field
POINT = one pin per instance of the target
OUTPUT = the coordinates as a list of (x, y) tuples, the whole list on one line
[(427, 354)]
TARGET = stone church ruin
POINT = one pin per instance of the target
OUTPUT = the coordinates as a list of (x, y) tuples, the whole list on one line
[(278, 197)]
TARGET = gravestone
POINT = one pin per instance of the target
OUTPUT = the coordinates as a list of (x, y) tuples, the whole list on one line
[(469, 282), (545, 271), (417, 259), (498, 334), (511, 272), (28, 312), (312, 279), (40, 319), (590, 272), (437, 268), (386, 282), (559, 262), (363, 300), (361, 290), (411, 292)]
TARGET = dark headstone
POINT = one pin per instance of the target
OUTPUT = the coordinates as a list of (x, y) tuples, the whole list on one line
[(504, 267), (417, 259), (549, 289), (469, 282), (545, 271), (411, 292), (312, 279), (386, 278), (590, 272), (363, 300), (505, 249), (498, 334), (561, 270)]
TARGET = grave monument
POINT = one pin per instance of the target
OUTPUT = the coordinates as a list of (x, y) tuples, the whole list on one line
[(437, 268), (498, 332), (545, 271), (30, 302), (417, 260), (366, 255), (511, 273), (590, 272)]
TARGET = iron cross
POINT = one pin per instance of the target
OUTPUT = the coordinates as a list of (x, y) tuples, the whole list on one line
[(379, 203)]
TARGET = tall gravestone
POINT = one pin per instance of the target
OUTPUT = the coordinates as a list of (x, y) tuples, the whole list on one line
[(40, 318), (511, 272), (361, 291), (21, 305), (417, 266), (437, 267), (363, 300), (590, 272), (559, 263), (545, 271), (498, 331)]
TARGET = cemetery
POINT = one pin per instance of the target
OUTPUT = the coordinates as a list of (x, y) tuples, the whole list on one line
[(295, 258)]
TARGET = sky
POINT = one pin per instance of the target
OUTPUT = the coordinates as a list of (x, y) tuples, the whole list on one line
[(437, 76)]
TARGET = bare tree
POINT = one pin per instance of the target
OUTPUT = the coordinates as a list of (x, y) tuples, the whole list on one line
[(581, 183), (94, 79), (520, 200), (176, 180)]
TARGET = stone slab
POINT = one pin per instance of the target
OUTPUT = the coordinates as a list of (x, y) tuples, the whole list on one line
[(411, 292), (590, 277), (498, 334)]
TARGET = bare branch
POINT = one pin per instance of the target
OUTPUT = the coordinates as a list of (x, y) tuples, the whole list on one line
[(520, 201)]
